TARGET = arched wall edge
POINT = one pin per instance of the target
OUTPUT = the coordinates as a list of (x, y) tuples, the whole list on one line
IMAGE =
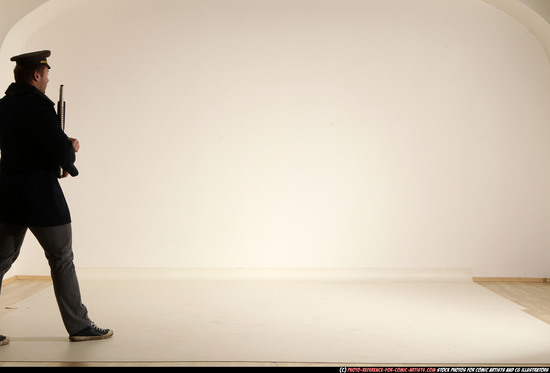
[(528, 17)]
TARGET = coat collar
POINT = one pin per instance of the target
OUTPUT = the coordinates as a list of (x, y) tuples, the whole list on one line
[(17, 89)]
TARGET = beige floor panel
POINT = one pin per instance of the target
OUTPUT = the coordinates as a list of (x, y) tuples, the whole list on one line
[(370, 322)]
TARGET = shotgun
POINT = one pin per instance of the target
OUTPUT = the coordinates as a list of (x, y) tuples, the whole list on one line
[(71, 169)]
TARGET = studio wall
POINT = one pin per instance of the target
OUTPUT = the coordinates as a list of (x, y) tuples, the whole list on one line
[(299, 134)]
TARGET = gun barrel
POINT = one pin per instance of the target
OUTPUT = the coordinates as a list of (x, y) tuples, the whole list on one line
[(61, 108), (71, 169)]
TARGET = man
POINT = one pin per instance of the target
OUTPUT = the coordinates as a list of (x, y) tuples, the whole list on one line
[(32, 149)]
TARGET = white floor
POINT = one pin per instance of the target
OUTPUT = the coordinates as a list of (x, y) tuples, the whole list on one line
[(187, 319)]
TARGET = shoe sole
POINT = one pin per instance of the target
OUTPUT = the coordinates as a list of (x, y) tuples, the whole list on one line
[(5, 341), (76, 338)]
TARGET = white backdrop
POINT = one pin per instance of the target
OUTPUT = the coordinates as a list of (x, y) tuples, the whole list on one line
[(309, 133)]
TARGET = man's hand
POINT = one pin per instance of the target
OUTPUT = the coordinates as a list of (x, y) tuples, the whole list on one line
[(76, 144)]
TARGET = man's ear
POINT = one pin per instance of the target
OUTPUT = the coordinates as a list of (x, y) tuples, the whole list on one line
[(36, 76)]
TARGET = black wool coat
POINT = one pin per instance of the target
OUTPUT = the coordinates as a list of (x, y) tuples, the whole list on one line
[(32, 148)]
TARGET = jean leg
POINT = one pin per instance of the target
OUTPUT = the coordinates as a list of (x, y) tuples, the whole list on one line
[(11, 239), (57, 245)]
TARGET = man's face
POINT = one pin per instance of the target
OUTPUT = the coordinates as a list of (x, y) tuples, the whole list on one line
[(43, 80)]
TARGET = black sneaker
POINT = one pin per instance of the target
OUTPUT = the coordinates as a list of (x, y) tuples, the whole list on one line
[(91, 333), (4, 340)]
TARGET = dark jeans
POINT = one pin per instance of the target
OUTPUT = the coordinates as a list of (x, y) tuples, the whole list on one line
[(57, 245)]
